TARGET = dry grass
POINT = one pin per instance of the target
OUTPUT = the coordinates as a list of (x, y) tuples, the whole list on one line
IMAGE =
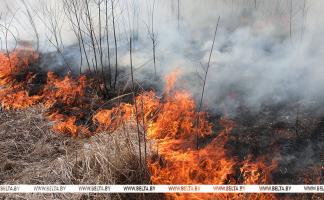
[(30, 153)]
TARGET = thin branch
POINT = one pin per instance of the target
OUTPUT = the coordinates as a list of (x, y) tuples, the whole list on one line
[(204, 83), (115, 40), (135, 104), (32, 22), (108, 44)]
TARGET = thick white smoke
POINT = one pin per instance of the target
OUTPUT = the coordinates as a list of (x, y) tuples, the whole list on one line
[(265, 51)]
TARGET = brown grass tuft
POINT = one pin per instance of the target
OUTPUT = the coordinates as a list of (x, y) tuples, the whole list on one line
[(30, 153)]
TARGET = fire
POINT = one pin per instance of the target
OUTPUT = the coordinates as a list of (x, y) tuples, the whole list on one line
[(170, 80), (257, 172), (171, 124), (13, 93), (176, 119), (147, 105), (68, 125), (110, 120), (67, 98), (66, 91), (64, 98), (187, 149), (13, 63), (19, 100), (179, 161)]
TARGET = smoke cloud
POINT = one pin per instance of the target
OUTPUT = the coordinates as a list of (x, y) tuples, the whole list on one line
[(266, 52)]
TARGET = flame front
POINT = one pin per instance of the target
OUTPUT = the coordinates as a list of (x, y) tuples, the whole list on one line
[(13, 94), (186, 150), (171, 124), (64, 98)]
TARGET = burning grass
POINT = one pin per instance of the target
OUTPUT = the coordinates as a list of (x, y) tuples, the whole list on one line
[(66, 99), (167, 128)]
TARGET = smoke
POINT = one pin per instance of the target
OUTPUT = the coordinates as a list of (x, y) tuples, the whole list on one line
[(266, 52), (268, 60)]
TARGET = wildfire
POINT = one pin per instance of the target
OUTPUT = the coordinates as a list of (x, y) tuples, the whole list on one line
[(178, 161), (171, 122), (64, 98), (13, 94), (147, 104), (112, 119), (14, 63)]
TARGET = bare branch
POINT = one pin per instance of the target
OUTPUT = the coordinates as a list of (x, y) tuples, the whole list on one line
[(204, 83)]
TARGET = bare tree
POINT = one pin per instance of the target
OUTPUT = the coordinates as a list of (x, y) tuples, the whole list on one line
[(304, 18), (135, 104), (32, 23), (67, 10), (7, 32), (52, 19), (115, 40), (108, 44), (152, 35), (99, 2), (290, 18), (178, 6), (74, 7), (90, 29)]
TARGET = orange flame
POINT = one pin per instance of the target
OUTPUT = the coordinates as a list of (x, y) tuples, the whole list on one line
[(111, 119), (65, 96), (172, 123), (170, 80), (58, 95), (66, 91), (13, 93), (177, 159)]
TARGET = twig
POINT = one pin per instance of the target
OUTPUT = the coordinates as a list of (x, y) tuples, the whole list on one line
[(204, 84), (135, 104), (32, 22), (115, 40)]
